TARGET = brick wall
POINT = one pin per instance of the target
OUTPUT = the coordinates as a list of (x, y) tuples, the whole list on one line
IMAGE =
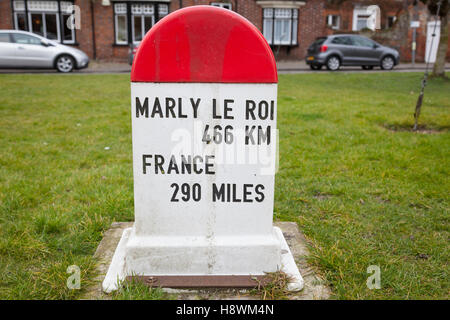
[(106, 49), (84, 34), (6, 15), (310, 26), (247, 8)]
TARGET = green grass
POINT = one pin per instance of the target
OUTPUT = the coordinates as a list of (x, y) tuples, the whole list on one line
[(362, 194), (131, 290)]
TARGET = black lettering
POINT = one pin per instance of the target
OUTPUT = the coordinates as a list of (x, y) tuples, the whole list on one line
[(263, 137), (174, 195), (235, 199), (180, 109), (186, 164), (218, 194), (196, 192), (159, 161), (250, 106), (145, 164), (272, 109), (263, 110), (170, 105), (195, 106), (141, 109), (157, 109), (249, 135), (172, 166), (196, 170), (227, 109), (247, 193), (215, 115), (186, 191), (208, 165), (260, 193)]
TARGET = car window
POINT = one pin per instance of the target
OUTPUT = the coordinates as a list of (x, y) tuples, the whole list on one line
[(342, 40), (319, 41), (25, 39), (363, 42), (4, 37)]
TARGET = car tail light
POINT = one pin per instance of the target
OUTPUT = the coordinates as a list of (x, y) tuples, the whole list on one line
[(323, 48)]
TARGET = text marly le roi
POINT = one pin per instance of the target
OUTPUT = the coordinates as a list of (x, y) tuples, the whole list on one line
[(175, 108)]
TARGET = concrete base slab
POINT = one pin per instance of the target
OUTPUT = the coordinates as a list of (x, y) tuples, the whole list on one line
[(294, 249)]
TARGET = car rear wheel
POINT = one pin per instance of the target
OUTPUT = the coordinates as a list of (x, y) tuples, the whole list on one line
[(333, 63), (315, 66), (387, 63), (367, 67), (65, 63)]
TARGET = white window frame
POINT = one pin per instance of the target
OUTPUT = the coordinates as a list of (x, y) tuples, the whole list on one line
[(330, 21), (137, 9), (120, 10), (44, 8), (72, 31), (224, 5), (357, 12), (44, 14), (142, 14), (16, 20), (269, 20), (116, 28), (162, 13)]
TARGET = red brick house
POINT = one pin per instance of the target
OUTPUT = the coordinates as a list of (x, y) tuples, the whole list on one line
[(108, 27)]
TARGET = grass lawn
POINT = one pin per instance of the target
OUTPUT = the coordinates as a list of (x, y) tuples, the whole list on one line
[(362, 189)]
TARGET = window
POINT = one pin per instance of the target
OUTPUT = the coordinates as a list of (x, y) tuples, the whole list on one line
[(390, 21), (163, 10), (366, 18), (19, 19), (120, 19), (4, 37), (25, 39), (222, 5), (45, 18), (363, 42), (319, 41), (143, 18), (133, 20), (45, 24), (68, 34), (347, 41), (333, 21), (361, 22), (280, 26)]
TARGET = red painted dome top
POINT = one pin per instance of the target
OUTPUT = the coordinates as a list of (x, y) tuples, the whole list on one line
[(204, 44)]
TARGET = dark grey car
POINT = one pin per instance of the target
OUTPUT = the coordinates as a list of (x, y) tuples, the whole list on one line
[(350, 50)]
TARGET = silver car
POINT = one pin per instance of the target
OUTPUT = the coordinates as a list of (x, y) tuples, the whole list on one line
[(339, 50), (21, 49)]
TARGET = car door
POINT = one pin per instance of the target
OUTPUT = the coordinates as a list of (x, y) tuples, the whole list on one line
[(31, 52), (7, 51), (366, 52), (344, 45)]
